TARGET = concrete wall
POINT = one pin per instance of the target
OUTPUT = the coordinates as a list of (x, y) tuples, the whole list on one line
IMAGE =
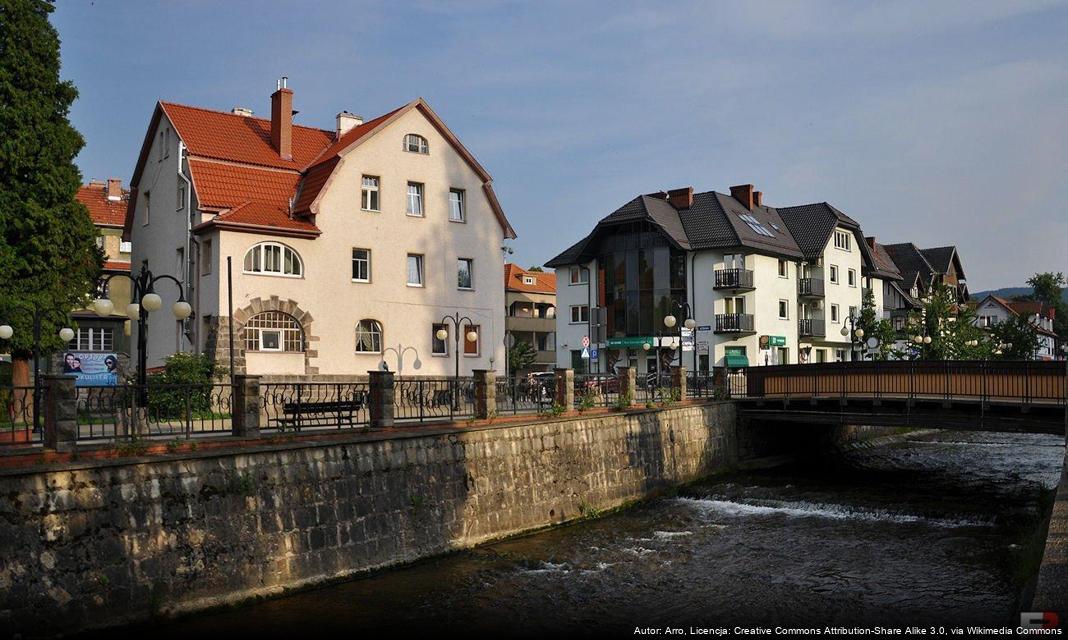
[(95, 545)]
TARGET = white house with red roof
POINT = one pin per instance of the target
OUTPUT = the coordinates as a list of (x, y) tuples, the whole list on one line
[(348, 245), (993, 310), (530, 297)]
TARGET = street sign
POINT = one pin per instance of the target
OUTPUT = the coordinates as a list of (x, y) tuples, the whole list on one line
[(702, 347), (585, 341), (585, 353), (593, 353), (687, 339), (777, 341), (705, 327)]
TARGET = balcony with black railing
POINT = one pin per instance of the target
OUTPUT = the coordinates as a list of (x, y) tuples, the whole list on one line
[(810, 287), (811, 327), (736, 279), (734, 323)]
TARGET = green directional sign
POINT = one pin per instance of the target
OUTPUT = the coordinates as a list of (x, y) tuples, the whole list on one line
[(777, 341), (625, 343)]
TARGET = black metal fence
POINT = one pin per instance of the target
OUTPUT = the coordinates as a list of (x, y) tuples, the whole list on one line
[(525, 394), (596, 390), (163, 410), (298, 406), (423, 399), (16, 422)]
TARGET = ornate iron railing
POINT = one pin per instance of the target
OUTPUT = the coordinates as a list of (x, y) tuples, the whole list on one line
[(300, 406)]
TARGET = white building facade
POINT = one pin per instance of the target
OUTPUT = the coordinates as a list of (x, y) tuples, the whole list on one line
[(348, 247)]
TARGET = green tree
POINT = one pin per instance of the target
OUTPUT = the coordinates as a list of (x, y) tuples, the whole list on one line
[(520, 356), (1049, 288), (48, 254), (949, 324), (1015, 339), (536, 269), (875, 327)]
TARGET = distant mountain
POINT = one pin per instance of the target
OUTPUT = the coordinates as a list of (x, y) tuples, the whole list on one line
[(1011, 292)]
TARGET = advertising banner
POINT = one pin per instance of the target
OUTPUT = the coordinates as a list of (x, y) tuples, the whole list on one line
[(93, 369)]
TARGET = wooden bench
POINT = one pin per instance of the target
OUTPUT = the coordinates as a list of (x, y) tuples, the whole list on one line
[(323, 414)]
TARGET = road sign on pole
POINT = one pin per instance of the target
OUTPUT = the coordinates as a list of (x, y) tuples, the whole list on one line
[(585, 353), (585, 341)]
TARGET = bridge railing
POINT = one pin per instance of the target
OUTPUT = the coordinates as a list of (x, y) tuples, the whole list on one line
[(1027, 382)]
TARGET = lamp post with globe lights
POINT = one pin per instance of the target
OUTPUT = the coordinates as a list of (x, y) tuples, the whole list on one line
[(146, 300), (66, 334), (442, 334), (671, 321), (856, 336)]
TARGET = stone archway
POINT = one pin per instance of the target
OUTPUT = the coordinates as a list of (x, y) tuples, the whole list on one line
[(221, 332)]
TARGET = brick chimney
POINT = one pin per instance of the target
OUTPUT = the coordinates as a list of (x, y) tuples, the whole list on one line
[(282, 120), (114, 189), (681, 198), (757, 198), (345, 122), (743, 193), (871, 242)]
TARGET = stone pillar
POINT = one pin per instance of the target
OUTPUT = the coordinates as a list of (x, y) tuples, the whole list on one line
[(565, 388), (485, 393), (247, 404), (60, 412), (678, 380), (381, 400), (628, 383)]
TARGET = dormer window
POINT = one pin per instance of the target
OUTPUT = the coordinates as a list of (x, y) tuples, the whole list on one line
[(416, 143), (528, 280)]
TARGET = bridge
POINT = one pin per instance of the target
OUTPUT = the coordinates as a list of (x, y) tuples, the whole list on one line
[(1016, 396)]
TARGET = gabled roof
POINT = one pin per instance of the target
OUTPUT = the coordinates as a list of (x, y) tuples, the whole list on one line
[(543, 282), (882, 264), (1025, 309), (235, 169), (103, 212), (910, 262), (943, 259)]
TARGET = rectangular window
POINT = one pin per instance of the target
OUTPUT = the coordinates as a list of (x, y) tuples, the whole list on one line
[(205, 257), (853, 312), (100, 242), (834, 313), (415, 199), (369, 191), (840, 355), (361, 265), (784, 269), (148, 208), (438, 347), (457, 205), (180, 204), (841, 240), (899, 323), (580, 313), (851, 277), (784, 310), (580, 275), (125, 247), (834, 274), (415, 270), (465, 268), (93, 339), (270, 340), (471, 347)]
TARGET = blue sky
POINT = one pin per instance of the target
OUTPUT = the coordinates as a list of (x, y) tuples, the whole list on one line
[(933, 122)]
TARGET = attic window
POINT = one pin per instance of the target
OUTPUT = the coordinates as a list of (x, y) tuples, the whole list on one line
[(416, 143), (756, 225), (528, 280)]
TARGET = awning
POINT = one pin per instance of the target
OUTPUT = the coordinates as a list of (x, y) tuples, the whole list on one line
[(735, 361)]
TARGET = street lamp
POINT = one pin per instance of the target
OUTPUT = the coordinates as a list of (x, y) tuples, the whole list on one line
[(443, 335), (855, 334), (66, 334), (670, 321), (145, 301)]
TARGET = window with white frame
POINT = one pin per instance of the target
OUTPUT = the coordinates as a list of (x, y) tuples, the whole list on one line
[(580, 313), (465, 273), (784, 269), (784, 309), (841, 240), (834, 313), (415, 199), (180, 191), (834, 273), (415, 270), (205, 257), (840, 355), (368, 336), (579, 275), (273, 259), (274, 331), (416, 143), (851, 277), (438, 347), (93, 339), (528, 280), (369, 194), (125, 247), (457, 205), (471, 347), (361, 265)]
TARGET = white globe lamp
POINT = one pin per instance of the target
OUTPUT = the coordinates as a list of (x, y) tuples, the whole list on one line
[(182, 310), (103, 307), (152, 302)]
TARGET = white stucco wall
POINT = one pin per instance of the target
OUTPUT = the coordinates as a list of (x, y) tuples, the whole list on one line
[(569, 336)]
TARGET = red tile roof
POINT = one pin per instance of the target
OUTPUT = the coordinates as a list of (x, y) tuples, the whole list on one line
[(225, 136), (543, 282), (116, 265), (222, 186), (262, 216), (103, 212)]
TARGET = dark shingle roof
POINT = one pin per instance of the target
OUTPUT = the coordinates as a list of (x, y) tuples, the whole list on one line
[(780, 243), (882, 264), (940, 258), (811, 226), (706, 223), (910, 262)]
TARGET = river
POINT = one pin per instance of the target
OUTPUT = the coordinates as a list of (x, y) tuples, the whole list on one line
[(939, 528)]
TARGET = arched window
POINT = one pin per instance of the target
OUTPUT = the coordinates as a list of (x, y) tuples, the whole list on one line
[(368, 336), (416, 143), (274, 331), (273, 259)]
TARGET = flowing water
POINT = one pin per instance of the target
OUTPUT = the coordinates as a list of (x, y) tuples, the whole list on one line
[(937, 529)]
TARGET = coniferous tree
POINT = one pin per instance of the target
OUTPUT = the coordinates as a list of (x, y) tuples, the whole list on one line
[(48, 254)]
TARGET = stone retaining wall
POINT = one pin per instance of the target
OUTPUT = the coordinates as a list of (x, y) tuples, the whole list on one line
[(101, 544)]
